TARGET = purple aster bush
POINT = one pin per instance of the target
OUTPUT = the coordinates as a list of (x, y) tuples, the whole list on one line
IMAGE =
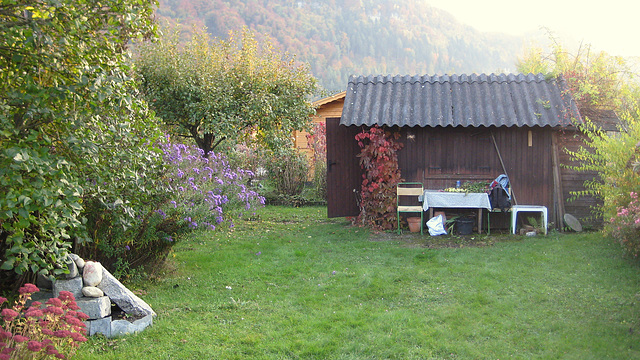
[(190, 192), (206, 191)]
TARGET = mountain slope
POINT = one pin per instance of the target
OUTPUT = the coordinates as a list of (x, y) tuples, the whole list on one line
[(340, 38)]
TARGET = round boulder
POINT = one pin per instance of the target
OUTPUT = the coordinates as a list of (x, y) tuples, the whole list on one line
[(92, 273), (92, 291)]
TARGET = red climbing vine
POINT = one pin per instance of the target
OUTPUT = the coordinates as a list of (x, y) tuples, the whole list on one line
[(379, 162)]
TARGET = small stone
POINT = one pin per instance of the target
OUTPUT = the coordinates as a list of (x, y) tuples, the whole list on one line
[(73, 269), (92, 273), (92, 291), (78, 260)]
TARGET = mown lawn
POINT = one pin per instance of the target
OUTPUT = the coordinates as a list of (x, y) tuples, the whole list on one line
[(294, 285)]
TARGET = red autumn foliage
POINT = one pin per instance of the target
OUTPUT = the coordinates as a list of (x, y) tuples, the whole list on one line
[(379, 160)]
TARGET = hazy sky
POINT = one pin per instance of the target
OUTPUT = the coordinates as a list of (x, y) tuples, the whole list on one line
[(609, 25)]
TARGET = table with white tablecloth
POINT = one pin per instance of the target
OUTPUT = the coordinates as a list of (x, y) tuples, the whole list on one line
[(441, 199)]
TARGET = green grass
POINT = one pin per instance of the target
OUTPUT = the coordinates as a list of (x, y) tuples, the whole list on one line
[(294, 285)]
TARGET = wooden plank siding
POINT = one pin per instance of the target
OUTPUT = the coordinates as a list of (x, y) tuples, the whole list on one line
[(327, 110), (572, 180), (438, 157)]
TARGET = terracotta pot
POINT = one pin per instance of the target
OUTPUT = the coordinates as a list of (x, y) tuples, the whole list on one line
[(414, 224)]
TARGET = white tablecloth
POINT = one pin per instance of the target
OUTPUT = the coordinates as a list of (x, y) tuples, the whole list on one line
[(443, 199)]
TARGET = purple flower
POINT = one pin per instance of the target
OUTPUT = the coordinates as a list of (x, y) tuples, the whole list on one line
[(126, 247)]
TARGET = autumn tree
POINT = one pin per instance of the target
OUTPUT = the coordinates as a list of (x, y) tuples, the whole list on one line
[(596, 80), (236, 89)]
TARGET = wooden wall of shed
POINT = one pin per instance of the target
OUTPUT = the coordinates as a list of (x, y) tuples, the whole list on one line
[(329, 110), (438, 157), (573, 180)]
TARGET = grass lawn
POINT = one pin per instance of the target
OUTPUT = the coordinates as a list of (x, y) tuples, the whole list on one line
[(294, 285)]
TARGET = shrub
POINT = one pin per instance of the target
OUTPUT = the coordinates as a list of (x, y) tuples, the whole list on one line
[(194, 192), (287, 171), (625, 226), (317, 139), (40, 209), (37, 332), (207, 190), (379, 160), (612, 157)]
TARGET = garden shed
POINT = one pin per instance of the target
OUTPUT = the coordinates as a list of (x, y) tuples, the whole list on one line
[(467, 128)]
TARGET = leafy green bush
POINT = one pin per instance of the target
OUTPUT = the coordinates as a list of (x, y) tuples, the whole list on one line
[(612, 157), (72, 128), (194, 192), (287, 171), (317, 140), (615, 160), (40, 210)]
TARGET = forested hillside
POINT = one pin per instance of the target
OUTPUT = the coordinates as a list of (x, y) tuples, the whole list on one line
[(343, 37)]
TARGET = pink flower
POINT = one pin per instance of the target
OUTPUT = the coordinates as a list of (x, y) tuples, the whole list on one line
[(34, 313), (47, 332), (2, 300), (20, 338), (66, 295), (55, 301), (82, 316), (9, 314), (28, 289), (5, 356), (74, 321), (78, 337), (34, 346), (5, 334), (62, 333), (54, 310)]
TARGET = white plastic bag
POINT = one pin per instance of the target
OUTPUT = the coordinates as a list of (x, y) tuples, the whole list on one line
[(436, 226)]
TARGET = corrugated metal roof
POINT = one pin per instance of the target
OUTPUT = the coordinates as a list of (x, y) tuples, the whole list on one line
[(458, 100)]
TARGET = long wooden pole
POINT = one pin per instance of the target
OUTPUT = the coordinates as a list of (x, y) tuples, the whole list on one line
[(557, 182), (504, 168)]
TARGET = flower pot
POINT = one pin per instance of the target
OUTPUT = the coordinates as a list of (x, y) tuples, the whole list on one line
[(464, 226), (414, 224)]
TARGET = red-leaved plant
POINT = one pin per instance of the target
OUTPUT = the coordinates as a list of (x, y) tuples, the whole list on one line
[(379, 160), (41, 332)]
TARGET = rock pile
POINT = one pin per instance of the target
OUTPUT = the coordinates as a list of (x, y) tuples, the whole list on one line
[(95, 290)]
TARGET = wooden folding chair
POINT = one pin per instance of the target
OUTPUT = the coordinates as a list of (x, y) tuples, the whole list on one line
[(404, 191)]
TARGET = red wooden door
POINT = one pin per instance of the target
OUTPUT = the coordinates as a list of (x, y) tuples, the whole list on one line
[(343, 169)]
